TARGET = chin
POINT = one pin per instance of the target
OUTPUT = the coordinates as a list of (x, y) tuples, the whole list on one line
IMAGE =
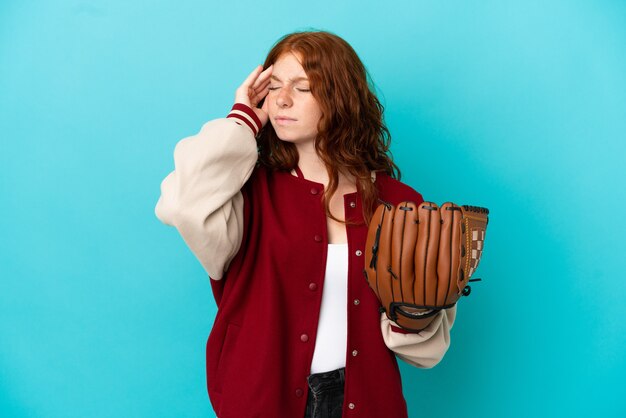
[(288, 137), (283, 137), (290, 140)]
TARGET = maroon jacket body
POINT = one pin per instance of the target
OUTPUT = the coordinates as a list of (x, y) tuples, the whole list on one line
[(259, 352)]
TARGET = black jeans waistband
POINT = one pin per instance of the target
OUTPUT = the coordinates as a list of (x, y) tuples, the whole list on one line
[(320, 382)]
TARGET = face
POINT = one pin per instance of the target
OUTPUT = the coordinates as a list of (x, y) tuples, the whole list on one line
[(292, 109)]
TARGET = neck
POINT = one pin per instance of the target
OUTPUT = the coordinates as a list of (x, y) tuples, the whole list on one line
[(313, 167), (311, 164)]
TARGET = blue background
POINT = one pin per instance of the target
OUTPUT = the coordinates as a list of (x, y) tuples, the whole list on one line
[(517, 106)]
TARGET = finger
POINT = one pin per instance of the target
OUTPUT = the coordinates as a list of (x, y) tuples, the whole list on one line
[(375, 273), (258, 92), (254, 100), (402, 261), (260, 87), (426, 253), (252, 77), (384, 276), (449, 260), (263, 77)]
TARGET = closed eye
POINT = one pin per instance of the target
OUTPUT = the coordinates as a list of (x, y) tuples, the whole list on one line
[(299, 89)]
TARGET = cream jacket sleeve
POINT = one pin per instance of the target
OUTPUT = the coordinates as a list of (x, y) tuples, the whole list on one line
[(202, 196), (423, 349)]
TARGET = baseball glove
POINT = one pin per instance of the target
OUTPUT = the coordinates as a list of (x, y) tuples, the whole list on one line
[(419, 259)]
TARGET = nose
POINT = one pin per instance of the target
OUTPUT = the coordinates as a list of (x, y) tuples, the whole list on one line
[(283, 99)]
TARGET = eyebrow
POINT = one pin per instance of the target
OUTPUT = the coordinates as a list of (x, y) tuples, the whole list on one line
[(273, 77)]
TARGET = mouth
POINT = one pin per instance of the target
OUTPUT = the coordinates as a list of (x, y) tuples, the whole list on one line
[(281, 120)]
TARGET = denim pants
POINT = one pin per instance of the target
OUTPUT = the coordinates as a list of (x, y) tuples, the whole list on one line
[(325, 398)]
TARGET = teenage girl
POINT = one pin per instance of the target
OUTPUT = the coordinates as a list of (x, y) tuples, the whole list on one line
[(274, 200)]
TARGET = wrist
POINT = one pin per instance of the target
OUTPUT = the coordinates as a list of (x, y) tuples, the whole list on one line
[(243, 113)]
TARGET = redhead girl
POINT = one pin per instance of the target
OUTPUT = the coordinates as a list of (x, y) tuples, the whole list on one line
[(274, 200)]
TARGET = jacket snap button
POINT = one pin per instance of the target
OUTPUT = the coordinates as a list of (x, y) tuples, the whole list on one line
[(318, 238), (351, 405), (356, 301), (359, 253), (352, 205), (354, 353), (304, 338), (312, 286), (299, 392), (314, 190)]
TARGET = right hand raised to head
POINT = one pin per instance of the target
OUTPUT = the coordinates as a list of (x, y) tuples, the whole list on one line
[(254, 89)]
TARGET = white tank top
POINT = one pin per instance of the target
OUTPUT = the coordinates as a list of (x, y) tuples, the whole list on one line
[(332, 328)]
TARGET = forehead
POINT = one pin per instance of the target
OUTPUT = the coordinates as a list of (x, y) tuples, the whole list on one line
[(288, 68)]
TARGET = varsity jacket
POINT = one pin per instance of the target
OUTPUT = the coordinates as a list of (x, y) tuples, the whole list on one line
[(261, 237)]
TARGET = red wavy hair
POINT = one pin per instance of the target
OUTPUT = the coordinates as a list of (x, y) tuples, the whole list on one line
[(352, 136)]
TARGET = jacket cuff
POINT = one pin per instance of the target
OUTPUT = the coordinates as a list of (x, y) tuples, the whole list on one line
[(245, 114), (400, 330)]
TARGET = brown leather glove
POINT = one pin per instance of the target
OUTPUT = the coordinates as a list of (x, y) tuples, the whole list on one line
[(418, 260)]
